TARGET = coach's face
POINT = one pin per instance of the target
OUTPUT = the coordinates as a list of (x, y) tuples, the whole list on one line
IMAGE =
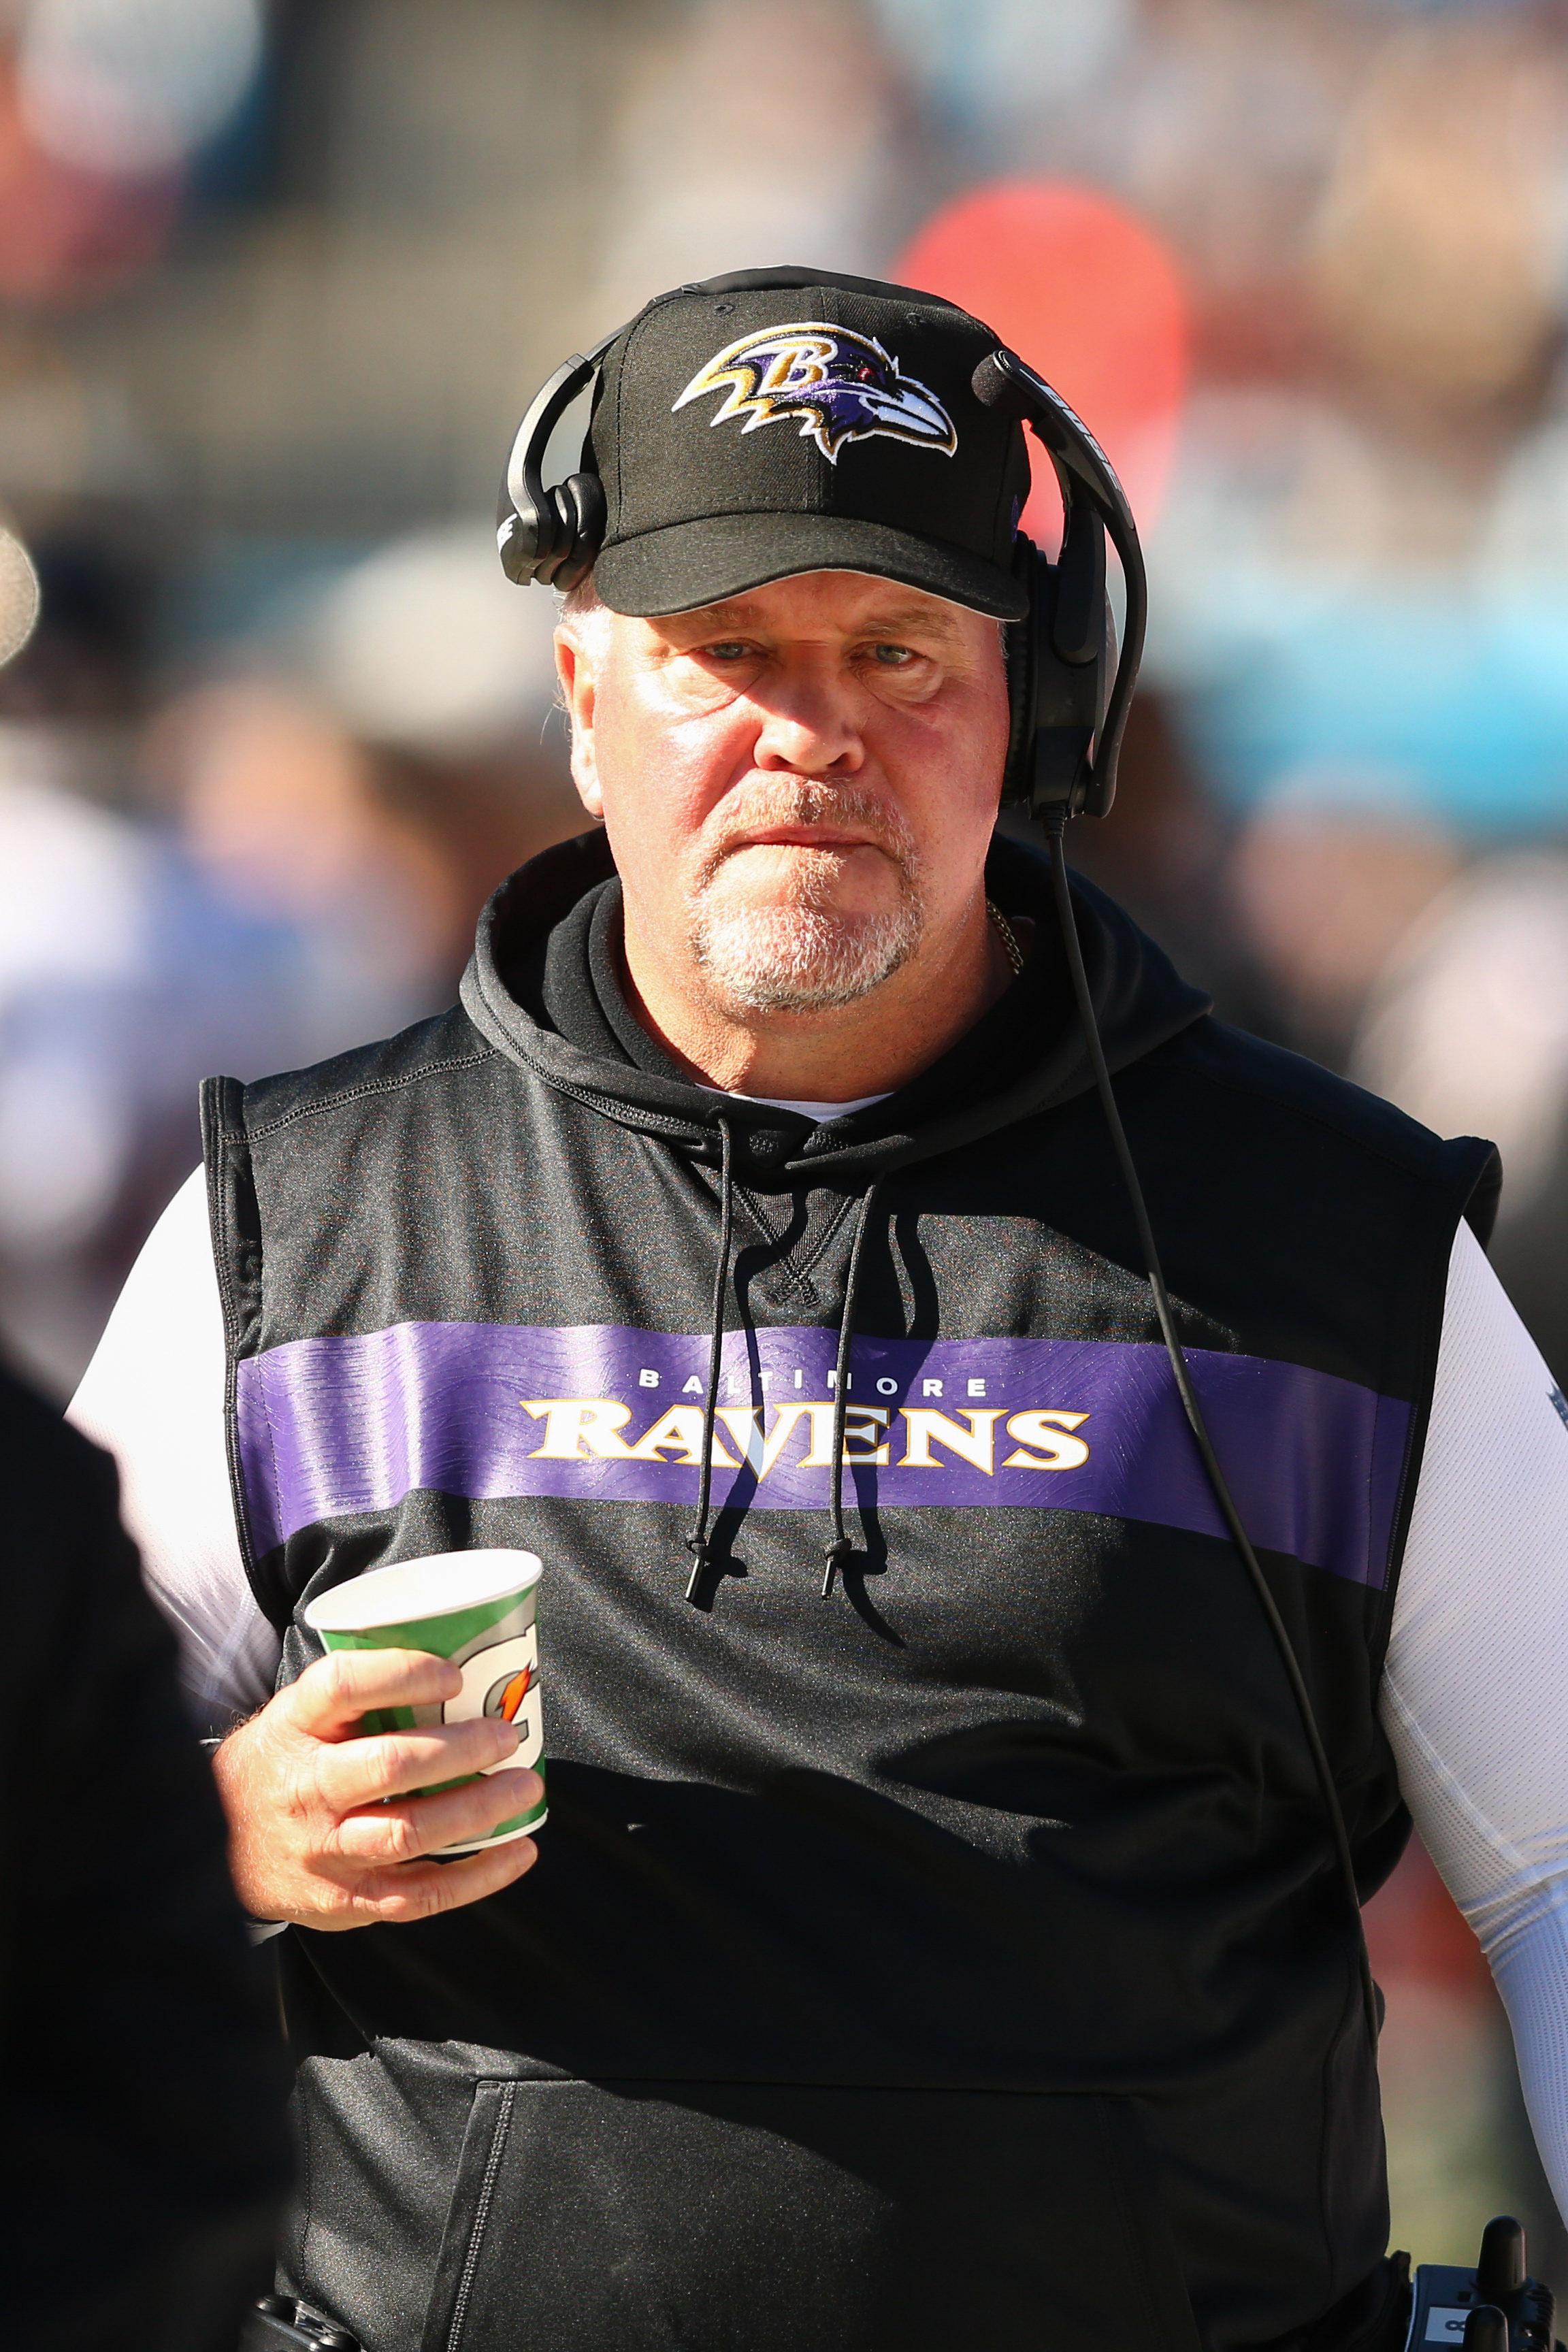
[(799, 784)]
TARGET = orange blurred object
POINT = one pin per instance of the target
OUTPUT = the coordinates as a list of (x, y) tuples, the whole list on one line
[(1086, 293), (67, 234)]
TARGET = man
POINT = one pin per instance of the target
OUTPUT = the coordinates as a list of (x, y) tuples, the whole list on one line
[(946, 1949), (142, 2139)]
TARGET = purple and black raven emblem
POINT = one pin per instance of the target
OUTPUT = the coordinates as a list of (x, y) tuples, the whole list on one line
[(842, 386)]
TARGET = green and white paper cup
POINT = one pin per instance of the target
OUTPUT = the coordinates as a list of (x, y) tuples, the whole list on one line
[(476, 1608)]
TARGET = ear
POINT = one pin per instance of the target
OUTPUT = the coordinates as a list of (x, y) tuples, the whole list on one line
[(574, 670)]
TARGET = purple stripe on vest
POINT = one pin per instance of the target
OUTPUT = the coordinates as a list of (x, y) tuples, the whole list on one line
[(336, 1425)]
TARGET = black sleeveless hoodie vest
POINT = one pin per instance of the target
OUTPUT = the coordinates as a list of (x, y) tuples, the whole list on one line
[(955, 1959)]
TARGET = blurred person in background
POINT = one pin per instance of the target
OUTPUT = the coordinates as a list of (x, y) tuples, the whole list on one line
[(446, 681), (141, 2149), (1163, 854), (229, 872), (81, 978), (1469, 1020), (917, 1948), (1326, 876), (280, 811)]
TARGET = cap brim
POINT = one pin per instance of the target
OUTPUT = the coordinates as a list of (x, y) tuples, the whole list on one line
[(701, 563)]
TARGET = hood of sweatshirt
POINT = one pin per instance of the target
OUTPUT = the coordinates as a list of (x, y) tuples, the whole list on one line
[(545, 987)]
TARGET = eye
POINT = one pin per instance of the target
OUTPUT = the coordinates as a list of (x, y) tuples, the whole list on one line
[(727, 649), (893, 656)]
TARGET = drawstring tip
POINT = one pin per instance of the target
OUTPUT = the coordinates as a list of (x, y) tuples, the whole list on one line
[(700, 1567), (835, 1552)]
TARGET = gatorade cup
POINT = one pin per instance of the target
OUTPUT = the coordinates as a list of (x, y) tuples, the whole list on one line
[(476, 1608)]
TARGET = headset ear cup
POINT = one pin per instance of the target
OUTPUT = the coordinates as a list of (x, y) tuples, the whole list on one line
[(1082, 689), (1018, 653), (562, 533), (527, 537), (1078, 622), (517, 540), (581, 505), (538, 541), (1101, 790), (1066, 700), (545, 534), (1015, 654)]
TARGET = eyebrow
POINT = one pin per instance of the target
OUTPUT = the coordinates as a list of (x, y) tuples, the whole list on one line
[(888, 619)]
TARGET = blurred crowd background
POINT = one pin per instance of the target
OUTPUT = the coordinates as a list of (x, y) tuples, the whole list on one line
[(276, 282)]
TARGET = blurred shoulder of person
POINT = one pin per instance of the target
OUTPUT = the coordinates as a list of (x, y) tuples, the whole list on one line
[(1468, 1029), (141, 2072)]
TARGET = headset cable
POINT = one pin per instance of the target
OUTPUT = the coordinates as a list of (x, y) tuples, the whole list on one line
[(1054, 820)]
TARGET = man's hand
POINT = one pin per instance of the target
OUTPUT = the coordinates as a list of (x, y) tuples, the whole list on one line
[(312, 1840)]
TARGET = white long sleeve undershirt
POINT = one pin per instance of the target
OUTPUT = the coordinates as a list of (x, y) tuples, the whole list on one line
[(1475, 1694)]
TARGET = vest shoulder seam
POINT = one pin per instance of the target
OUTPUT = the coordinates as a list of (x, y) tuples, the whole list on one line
[(370, 1086)]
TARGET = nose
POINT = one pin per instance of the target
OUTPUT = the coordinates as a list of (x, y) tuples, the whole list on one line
[(808, 723)]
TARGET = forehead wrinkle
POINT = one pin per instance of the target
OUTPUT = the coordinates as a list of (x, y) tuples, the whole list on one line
[(931, 614)]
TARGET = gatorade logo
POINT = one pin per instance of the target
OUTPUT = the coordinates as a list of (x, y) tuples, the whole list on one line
[(507, 1695), (504, 1680)]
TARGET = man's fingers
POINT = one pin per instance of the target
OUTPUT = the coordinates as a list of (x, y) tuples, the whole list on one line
[(424, 1888), (324, 1827), (330, 1697), (418, 1826), (389, 1764)]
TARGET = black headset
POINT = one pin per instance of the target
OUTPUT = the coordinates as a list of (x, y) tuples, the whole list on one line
[(551, 536), (1069, 687)]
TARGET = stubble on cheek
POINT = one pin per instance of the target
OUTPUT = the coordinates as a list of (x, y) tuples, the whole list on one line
[(788, 944)]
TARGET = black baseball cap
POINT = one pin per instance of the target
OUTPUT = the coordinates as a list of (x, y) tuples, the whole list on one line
[(788, 420)]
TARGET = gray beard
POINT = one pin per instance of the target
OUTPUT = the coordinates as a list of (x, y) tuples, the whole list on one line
[(802, 959), (803, 956)]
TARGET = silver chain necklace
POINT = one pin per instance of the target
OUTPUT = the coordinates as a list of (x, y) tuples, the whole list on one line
[(1007, 934)]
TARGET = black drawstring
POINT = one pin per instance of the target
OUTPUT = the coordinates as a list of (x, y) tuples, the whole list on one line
[(841, 1547), (697, 1542)]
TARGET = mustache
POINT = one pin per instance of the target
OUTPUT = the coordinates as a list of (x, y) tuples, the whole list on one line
[(798, 800)]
